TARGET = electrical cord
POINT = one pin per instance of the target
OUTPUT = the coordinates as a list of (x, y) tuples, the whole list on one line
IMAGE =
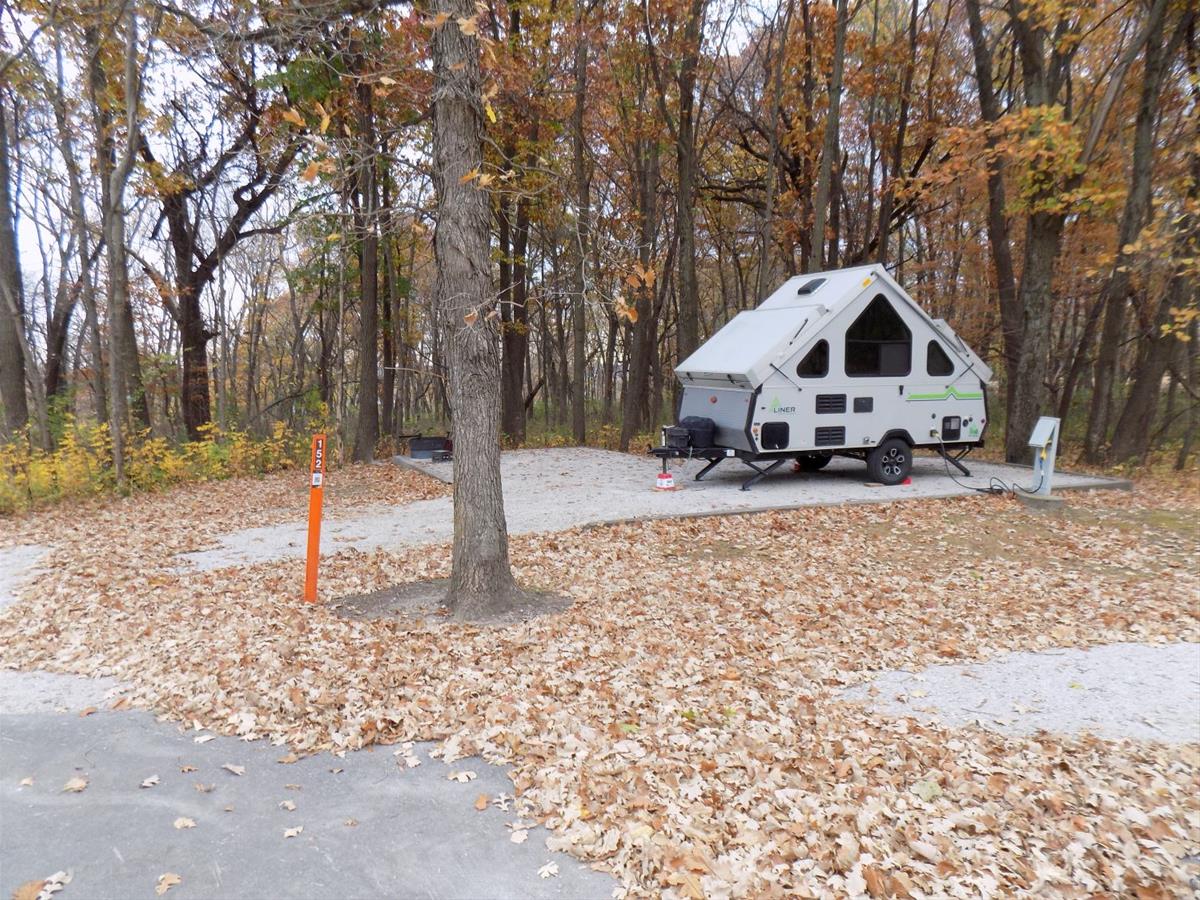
[(996, 485)]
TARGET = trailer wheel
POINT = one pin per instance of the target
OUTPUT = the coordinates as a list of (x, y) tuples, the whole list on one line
[(890, 462), (813, 462)]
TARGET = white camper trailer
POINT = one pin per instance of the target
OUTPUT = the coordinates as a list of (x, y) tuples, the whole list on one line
[(841, 362)]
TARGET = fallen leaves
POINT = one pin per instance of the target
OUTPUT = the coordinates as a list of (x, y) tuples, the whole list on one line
[(289, 759), (549, 870), (150, 782), (679, 724), (166, 881), (204, 738), (236, 770), (75, 785), (42, 888), (519, 836), (481, 802), (293, 832), (289, 805), (461, 777), (184, 822)]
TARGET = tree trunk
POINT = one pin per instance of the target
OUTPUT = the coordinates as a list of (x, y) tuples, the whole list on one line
[(194, 337), (366, 435), (889, 192), (12, 362), (997, 221), (644, 330), (685, 218), (1132, 436), (481, 580), (1043, 239), (583, 184), (829, 146), (1115, 296)]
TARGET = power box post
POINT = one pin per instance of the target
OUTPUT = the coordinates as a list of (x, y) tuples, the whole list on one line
[(1044, 442), (316, 491)]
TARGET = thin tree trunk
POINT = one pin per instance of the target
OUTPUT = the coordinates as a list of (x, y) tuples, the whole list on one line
[(1115, 296), (12, 360), (829, 146), (366, 434), (999, 242), (583, 184)]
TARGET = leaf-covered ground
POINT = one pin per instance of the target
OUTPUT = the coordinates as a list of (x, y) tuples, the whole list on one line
[(679, 725)]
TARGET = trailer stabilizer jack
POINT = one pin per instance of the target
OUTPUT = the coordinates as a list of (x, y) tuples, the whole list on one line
[(760, 474)]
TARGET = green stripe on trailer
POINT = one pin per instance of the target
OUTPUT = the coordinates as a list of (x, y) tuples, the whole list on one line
[(949, 393)]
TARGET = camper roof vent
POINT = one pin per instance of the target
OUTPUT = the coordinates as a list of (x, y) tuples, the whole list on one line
[(809, 286)]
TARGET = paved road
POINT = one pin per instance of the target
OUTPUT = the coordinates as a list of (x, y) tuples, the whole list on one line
[(556, 489), (417, 834)]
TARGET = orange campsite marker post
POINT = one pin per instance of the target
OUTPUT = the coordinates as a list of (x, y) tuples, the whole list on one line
[(315, 492)]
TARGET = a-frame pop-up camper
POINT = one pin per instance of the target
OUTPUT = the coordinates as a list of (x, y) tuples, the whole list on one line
[(841, 362)]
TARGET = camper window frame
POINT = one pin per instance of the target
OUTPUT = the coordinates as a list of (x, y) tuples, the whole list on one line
[(813, 349), (934, 343), (847, 341)]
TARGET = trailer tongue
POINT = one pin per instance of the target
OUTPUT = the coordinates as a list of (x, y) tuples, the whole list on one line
[(833, 363)]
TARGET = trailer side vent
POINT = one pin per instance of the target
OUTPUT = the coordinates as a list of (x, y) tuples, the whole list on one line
[(831, 403), (775, 435), (811, 285), (830, 437), (864, 404)]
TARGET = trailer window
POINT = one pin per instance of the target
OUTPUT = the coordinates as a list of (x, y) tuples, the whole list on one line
[(878, 343), (816, 361), (936, 360)]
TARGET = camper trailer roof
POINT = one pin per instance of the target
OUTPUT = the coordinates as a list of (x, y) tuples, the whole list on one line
[(744, 351)]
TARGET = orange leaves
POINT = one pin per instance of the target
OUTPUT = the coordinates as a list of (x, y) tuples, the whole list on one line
[(291, 115), (625, 311)]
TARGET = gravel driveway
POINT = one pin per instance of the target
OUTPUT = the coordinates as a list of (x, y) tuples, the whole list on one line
[(560, 488)]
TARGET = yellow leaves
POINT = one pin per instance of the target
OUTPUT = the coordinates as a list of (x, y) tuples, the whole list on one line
[(294, 117), (166, 881), (491, 113)]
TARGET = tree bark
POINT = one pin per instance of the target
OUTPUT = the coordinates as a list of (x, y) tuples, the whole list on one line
[(366, 434), (1115, 296), (999, 243), (583, 184), (481, 580), (644, 330), (12, 361), (831, 141)]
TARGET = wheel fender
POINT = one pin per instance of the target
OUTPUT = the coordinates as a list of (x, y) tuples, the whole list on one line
[(899, 433)]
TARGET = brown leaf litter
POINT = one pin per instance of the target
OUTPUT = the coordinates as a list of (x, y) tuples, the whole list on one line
[(678, 725)]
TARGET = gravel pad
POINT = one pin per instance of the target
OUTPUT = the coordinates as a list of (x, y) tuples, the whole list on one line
[(1149, 693)]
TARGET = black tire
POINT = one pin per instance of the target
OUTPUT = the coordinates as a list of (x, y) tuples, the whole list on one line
[(813, 462), (890, 462)]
